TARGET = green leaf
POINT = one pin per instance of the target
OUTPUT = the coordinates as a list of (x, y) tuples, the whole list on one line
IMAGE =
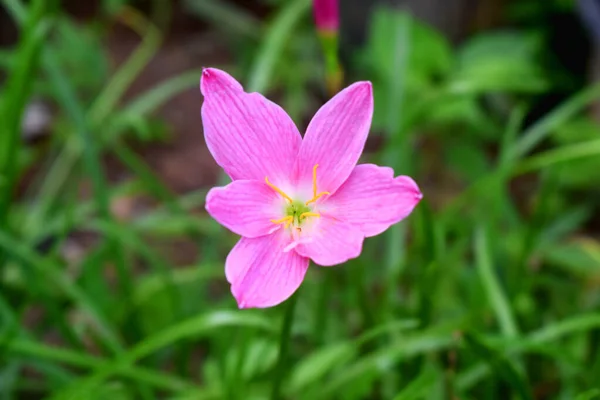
[(15, 94), (314, 367), (420, 388), (467, 158), (108, 99), (38, 351), (491, 285), (195, 328), (430, 56), (576, 257), (592, 394), (502, 367), (49, 273), (552, 121), (370, 366), (222, 14), (80, 54), (263, 70), (500, 61)]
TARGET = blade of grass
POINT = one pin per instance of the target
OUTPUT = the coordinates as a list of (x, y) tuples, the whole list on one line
[(542, 128), (492, 287), (263, 70), (195, 327), (513, 127), (285, 337), (529, 139), (119, 233), (35, 350), (107, 101), (398, 152), (51, 186), (51, 273), (16, 10), (78, 215), (420, 387), (14, 99), (105, 104), (592, 394), (559, 329), (24, 346), (558, 156), (383, 360), (306, 373), (153, 98), (12, 367), (70, 154), (68, 99), (222, 14), (502, 367), (147, 177), (151, 285), (540, 338)]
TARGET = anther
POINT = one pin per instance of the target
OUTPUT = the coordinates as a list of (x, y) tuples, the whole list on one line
[(275, 188), (316, 195), (309, 214), (287, 220)]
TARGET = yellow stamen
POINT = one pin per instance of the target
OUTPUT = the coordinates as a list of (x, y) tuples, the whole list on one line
[(285, 220), (282, 220), (275, 188), (309, 214), (316, 195)]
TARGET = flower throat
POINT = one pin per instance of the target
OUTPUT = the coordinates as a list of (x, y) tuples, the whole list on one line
[(297, 211)]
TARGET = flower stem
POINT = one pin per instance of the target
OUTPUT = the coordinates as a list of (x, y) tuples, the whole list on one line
[(334, 74), (284, 344)]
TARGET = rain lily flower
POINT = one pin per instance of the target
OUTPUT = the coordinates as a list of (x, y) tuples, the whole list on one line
[(292, 199), (327, 15)]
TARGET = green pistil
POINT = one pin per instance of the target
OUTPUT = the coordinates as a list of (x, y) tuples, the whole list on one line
[(295, 209)]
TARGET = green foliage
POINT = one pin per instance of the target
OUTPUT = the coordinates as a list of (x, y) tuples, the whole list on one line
[(490, 289)]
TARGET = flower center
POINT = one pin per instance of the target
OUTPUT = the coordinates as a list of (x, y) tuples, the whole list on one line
[(297, 211)]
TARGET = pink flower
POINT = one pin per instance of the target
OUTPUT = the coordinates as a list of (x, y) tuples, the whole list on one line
[(327, 16), (294, 199)]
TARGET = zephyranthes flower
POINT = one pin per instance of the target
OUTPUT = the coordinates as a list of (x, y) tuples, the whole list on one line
[(294, 199)]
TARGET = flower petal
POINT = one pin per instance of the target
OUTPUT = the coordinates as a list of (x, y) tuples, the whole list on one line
[(372, 199), (249, 136), (335, 138), (245, 207), (261, 273), (331, 242)]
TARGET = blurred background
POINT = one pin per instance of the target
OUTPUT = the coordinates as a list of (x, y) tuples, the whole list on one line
[(111, 273)]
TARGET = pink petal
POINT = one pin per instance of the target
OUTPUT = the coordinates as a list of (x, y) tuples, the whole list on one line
[(331, 242), (373, 200), (261, 273), (335, 138), (245, 207), (249, 136)]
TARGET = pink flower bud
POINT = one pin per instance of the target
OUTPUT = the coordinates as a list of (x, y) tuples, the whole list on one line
[(327, 16)]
